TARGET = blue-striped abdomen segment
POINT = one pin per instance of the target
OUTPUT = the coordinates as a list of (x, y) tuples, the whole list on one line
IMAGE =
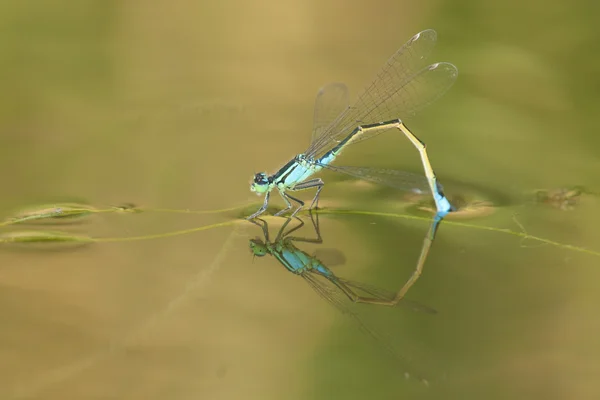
[(333, 153), (323, 270), (442, 203), (295, 261), (327, 158)]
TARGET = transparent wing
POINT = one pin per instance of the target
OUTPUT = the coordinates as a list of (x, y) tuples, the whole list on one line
[(331, 101), (399, 90), (422, 89), (401, 180)]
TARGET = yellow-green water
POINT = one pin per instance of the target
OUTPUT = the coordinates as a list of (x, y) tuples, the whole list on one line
[(176, 105)]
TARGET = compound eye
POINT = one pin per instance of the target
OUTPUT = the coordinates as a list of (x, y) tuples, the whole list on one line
[(260, 179)]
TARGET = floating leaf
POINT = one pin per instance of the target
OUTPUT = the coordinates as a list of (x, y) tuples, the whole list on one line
[(561, 198), (127, 207), (51, 213), (43, 237)]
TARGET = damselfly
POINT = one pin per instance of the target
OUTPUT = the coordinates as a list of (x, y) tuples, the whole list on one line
[(400, 89), (339, 291)]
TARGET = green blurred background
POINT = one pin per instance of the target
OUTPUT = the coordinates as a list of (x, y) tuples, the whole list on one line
[(177, 104)]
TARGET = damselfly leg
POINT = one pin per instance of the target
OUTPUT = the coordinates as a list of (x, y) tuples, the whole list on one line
[(312, 183), (262, 209)]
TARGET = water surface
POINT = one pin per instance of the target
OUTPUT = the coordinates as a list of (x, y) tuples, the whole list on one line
[(177, 107)]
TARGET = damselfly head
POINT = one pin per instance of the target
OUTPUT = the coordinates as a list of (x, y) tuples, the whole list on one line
[(260, 183), (258, 247)]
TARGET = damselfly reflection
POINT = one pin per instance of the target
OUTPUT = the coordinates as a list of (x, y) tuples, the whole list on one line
[(339, 292)]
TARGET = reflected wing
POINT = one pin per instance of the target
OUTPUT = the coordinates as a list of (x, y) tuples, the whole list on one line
[(329, 292), (401, 180), (331, 101), (382, 294), (399, 90)]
